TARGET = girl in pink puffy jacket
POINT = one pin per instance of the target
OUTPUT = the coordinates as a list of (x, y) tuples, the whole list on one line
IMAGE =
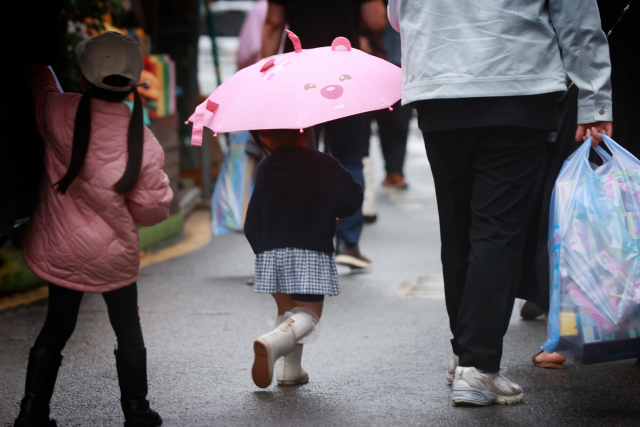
[(104, 174)]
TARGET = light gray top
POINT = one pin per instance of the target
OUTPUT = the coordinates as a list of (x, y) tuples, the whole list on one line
[(483, 48)]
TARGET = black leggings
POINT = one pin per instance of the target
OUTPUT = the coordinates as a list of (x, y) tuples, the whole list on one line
[(122, 305), (307, 297)]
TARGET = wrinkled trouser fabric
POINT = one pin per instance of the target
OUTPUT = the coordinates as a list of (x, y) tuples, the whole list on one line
[(345, 139), (483, 179), (64, 304)]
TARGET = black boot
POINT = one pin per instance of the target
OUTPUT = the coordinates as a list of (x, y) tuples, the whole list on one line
[(42, 372), (132, 377)]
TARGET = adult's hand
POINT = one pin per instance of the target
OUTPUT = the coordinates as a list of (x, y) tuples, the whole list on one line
[(595, 129)]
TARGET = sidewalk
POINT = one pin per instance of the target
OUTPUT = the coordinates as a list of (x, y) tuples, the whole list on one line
[(380, 360)]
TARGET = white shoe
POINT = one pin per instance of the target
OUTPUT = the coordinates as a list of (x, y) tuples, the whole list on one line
[(279, 342), (472, 387), (288, 369), (451, 370), (369, 202)]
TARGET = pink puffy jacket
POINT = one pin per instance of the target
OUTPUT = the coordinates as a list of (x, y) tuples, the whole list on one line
[(87, 239)]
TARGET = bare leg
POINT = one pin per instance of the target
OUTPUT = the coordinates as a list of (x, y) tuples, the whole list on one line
[(545, 357), (286, 303)]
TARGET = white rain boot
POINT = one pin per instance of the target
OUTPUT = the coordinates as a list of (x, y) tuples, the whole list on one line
[(279, 342), (369, 203), (288, 369)]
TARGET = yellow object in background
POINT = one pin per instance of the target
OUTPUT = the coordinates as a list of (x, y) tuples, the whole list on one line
[(568, 324), (161, 111)]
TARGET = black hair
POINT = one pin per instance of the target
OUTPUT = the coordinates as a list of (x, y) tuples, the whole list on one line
[(256, 137), (82, 134)]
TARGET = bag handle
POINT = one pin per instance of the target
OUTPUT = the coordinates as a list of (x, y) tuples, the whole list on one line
[(606, 157)]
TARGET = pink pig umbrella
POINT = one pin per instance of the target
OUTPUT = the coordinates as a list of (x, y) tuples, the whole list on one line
[(299, 89)]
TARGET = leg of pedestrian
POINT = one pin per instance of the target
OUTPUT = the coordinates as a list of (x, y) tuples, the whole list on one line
[(131, 356), (505, 170), (282, 345), (505, 163), (45, 356), (453, 182), (393, 128), (346, 140)]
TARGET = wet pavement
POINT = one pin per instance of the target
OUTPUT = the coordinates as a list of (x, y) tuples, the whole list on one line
[(380, 359)]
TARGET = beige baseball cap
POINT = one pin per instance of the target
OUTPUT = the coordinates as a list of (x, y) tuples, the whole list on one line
[(110, 54)]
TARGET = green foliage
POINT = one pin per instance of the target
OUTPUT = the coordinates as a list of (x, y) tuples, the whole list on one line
[(15, 276), (150, 236), (73, 22)]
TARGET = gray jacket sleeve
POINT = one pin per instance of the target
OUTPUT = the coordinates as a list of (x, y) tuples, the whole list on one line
[(585, 54)]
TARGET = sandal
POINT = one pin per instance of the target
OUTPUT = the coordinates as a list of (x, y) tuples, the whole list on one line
[(545, 364)]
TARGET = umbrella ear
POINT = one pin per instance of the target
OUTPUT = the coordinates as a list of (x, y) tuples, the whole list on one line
[(341, 43), (297, 46), (212, 106), (270, 63)]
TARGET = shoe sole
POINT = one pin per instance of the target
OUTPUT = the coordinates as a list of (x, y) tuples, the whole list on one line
[(473, 396), (288, 383), (260, 371), (352, 261)]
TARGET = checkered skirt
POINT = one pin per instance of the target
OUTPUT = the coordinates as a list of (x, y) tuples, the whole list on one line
[(296, 271)]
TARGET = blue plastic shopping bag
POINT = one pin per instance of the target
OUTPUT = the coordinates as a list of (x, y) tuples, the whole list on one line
[(594, 235), (233, 188)]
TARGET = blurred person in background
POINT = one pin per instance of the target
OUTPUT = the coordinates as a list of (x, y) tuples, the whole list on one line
[(318, 23), (249, 50), (393, 125), (485, 77)]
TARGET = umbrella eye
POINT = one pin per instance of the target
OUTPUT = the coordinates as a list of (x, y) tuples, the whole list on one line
[(345, 77), (309, 86)]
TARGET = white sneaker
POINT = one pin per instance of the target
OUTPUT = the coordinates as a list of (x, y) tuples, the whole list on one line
[(279, 342), (288, 369), (451, 370), (472, 387)]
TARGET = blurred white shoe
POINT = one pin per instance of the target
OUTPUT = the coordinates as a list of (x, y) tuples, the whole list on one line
[(451, 370), (369, 203)]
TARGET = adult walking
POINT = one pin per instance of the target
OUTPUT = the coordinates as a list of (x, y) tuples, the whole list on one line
[(484, 77), (317, 24), (618, 20)]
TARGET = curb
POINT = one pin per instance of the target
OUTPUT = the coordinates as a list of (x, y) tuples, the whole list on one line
[(197, 234)]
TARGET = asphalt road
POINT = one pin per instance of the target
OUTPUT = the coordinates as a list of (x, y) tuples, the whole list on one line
[(380, 359)]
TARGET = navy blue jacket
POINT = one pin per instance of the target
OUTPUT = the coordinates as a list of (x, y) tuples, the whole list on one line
[(298, 195)]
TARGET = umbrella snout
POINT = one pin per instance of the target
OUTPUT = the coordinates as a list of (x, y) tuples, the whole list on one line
[(332, 91)]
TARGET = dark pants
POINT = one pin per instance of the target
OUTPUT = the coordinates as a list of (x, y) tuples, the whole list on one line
[(483, 179), (122, 305), (393, 128), (345, 138)]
